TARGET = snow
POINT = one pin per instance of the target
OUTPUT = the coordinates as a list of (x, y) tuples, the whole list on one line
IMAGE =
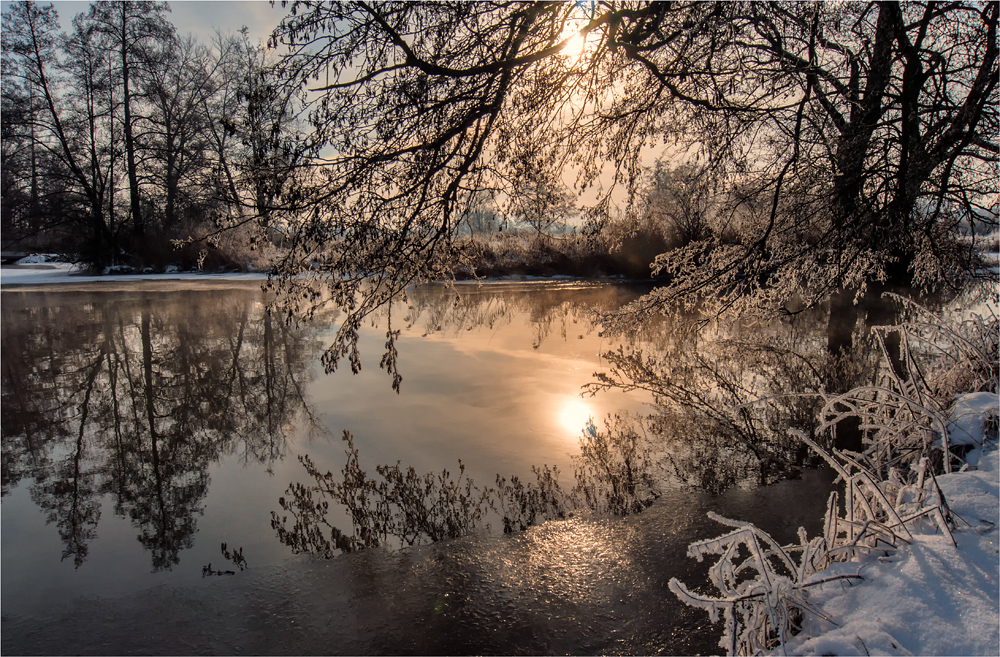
[(39, 258), (39, 270), (928, 598), (44, 269), (22, 273), (971, 416)]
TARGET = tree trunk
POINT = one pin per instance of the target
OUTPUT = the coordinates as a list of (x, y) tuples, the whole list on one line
[(35, 211), (842, 322), (172, 184), (111, 162), (133, 179)]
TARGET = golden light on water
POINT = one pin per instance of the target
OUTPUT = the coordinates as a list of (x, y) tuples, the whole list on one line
[(574, 415)]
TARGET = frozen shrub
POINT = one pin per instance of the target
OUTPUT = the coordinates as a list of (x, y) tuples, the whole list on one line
[(763, 589), (890, 490), (614, 472), (904, 414)]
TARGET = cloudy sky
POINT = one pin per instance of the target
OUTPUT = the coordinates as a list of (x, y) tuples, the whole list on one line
[(201, 17)]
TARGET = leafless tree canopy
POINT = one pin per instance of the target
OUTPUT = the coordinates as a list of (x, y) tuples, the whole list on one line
[(845, 143), (859, 134), (119, 136)]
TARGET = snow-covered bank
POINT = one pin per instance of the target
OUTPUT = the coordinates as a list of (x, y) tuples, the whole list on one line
[(928, 598), (39, 271), (48, 273), (908, 560)]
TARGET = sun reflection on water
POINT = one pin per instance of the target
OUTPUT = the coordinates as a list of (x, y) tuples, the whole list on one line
[(574, 415)]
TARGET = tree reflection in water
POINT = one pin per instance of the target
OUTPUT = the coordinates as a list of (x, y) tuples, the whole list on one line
[(553, 310), (134, 397), (724, 398), (398, 507)]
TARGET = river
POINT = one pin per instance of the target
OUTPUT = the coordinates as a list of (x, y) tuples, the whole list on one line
[(147, 424)]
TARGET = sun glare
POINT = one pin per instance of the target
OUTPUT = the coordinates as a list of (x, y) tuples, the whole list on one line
[(574, 415), (574, 47)]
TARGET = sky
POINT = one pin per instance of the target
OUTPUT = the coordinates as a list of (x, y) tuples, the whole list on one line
[(202, 17)]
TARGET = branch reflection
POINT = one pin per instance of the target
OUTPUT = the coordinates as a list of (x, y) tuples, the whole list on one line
[(563, 310), (724, 398), (135, 397), (397, 507)]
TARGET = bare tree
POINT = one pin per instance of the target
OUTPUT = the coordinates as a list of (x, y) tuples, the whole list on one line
[(193, 134), (254, 132), (176, 134), (862, 127), (679, 200), (69, 138), (540, 200), (136, 31)]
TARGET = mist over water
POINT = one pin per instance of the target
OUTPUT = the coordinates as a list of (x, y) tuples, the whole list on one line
[(143, 428)]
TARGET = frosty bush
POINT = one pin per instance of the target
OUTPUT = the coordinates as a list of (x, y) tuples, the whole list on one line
[(890, 490), (957, 355), (904, 415), (763, 589)]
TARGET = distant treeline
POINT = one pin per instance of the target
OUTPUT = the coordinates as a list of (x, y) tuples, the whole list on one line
[(123, 140)]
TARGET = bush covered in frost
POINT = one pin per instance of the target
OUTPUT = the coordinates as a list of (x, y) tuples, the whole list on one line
[(889, 490)]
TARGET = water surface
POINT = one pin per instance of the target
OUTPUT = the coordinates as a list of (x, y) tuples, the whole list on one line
[(145, 425)]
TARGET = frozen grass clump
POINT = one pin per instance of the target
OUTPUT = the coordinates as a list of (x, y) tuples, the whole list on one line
[(905, 415), (931, 411), (763, 589)]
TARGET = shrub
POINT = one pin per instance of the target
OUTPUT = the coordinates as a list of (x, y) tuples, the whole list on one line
[(890, 489)]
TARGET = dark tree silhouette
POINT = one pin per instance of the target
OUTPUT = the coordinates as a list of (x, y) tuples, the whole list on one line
[(861, 133), (137, 31)]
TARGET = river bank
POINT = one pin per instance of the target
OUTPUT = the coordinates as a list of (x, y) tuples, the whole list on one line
[(931, 597)]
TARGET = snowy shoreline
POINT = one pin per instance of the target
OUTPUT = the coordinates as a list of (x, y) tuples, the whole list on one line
[(61, 273), (67, 274), (908, 560), (927, 598)]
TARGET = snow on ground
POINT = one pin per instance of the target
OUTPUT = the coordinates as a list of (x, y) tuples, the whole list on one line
[(38, 258), (971, 416), (931, 597), (43, 269), (35, 273), (38, 270)]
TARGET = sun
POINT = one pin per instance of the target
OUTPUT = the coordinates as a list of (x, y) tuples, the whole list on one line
[(574, 414), (575, 46)]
